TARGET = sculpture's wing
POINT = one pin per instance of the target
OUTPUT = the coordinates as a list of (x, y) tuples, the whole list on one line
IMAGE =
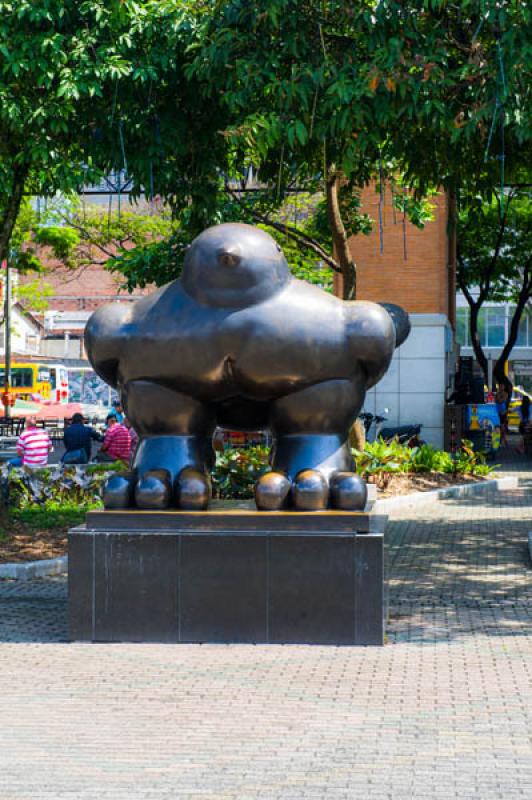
[(105, 336), (371, 338)]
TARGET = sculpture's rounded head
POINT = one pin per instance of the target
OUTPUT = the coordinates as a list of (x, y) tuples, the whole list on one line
[(233, 266)]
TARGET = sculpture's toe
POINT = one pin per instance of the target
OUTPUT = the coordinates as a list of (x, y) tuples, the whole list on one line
[(118, 491), (348, 491), (154, 490), (310, 491), (192, 490), (271, 491)]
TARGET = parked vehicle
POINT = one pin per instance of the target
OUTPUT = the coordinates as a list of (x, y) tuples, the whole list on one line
[(514, 406), (60, 392), (405, 434), (29, 381), (372, 424), (32, 380)]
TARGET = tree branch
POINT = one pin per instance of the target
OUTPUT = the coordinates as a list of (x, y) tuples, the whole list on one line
[(299, 237), (460, 276), (339, 235), (87, 235), (486, 283)]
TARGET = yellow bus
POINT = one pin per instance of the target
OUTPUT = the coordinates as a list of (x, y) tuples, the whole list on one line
[(59, 383), (36, 381)]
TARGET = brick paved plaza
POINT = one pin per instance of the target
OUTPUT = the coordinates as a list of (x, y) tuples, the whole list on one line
[(444, 710)]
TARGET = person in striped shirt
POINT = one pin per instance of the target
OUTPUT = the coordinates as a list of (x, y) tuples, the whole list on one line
[(34, 445), (116, 442)]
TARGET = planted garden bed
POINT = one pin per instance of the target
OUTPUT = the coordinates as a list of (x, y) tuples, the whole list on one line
[(42, 505), (39, 507), (35, 534), (398, 485)]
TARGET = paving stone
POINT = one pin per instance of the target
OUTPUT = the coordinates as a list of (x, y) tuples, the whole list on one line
[(444, 710)]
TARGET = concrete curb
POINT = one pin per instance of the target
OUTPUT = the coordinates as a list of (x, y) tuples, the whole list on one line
[(450, 492), (27, 571)]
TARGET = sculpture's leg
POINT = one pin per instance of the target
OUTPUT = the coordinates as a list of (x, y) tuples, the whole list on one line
[(174, 457), (311, 451)]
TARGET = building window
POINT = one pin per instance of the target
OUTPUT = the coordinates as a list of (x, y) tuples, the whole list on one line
[(493, 326), (496, 326), (31, 343), (482, 327), (524, 336), (462, 326)]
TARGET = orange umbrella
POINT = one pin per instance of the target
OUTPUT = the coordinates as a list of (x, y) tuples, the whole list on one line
[(57, 410), (44, 410)]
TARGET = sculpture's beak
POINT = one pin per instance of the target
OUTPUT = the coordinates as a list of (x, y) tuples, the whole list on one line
[(401, 322), (229, 257)]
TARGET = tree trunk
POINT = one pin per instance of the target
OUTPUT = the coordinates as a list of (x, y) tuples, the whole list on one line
[(339, 236), (522, 302), (501, 377), (10, 214), (474, 310), (357, 435), (475, 340)]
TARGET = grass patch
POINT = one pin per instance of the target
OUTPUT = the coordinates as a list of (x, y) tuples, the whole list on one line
[(36, 518)]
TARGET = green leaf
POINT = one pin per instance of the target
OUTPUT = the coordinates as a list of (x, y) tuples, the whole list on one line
[(301, 132)]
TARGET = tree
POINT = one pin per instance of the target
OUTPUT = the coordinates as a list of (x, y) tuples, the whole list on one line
[(332, 94), (322, 96), (494, 257), (33, 294), (179, 142), (59, 63), (145, 245), (72, 236)]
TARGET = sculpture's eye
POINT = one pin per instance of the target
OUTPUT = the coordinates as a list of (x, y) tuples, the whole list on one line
[(228, 259)]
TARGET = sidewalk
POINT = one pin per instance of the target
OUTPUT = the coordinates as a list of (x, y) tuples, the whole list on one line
[(444, 710)]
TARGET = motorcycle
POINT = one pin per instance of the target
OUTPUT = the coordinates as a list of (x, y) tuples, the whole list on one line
[(408, 435)]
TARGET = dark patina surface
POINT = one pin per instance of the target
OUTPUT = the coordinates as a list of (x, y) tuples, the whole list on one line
[(238, 342), (230, 574)]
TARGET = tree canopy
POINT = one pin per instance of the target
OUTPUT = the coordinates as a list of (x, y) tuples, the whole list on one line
[(495, 263), (60, 62), (184, 97), (334, 94)]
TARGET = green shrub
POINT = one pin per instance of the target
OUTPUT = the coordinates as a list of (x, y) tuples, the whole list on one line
[(59, 490), (382, 457), (427, 458), (56, 487), (470, 462), (237, 471)]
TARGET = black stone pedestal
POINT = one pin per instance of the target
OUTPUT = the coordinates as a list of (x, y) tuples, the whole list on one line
[(227, 575)]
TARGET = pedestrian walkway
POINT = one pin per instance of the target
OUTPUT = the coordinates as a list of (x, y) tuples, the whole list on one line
[(443, 711)]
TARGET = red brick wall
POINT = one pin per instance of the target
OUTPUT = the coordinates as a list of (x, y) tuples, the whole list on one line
[(419, 282), (84, 289)]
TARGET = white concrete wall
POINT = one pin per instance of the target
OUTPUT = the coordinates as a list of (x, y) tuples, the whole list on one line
[(25, 337), (62, 348), (414, 387)]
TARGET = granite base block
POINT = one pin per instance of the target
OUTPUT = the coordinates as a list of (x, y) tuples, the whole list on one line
[(227, 576)]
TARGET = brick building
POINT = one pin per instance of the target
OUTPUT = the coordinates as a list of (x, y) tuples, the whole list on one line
[(414, 268), (76, 294)]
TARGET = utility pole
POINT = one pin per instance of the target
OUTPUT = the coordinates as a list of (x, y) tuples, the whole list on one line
[(7, 337)]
